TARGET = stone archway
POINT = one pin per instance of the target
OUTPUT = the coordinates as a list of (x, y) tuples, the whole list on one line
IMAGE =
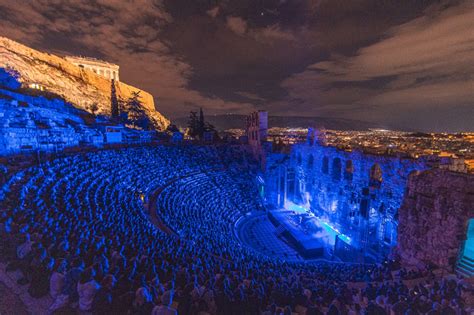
[(325, 166), (375, 176), (349, 170), (310, 161), (336, 169)]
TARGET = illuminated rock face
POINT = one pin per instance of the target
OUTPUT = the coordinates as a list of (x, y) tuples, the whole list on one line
[(79, 86), (433, 218), (359, 193)]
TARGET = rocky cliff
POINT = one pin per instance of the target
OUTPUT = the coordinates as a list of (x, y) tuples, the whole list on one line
[(79, 86), (433, 217)]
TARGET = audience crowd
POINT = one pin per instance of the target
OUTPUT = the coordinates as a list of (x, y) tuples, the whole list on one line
[(77, 228)]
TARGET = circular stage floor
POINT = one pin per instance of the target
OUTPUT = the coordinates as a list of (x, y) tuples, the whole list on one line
[(258, 232)]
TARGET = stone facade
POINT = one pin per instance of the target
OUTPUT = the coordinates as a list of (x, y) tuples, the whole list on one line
[(30, 123), (35, 123), (359, 193), (433, 217), (256, 132)]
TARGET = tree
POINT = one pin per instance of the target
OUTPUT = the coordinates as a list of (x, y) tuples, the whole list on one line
[(136, 114), (114, 110), (202, 125), (122, 105), (193, 124), (208, 127), (123, 114), (197, 126)]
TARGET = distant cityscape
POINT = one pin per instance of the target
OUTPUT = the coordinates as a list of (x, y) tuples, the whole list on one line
[(459, 146)]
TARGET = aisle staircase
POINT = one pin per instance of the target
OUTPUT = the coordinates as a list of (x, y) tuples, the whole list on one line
[(465, 267)]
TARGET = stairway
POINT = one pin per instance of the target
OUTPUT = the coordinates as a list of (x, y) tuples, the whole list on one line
[(465, 267)]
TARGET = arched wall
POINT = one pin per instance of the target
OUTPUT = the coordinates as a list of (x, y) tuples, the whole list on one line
[(359, 207)]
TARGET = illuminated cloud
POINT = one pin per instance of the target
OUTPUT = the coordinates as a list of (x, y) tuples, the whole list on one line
[(126, 32), (237, 25), (401, 62), (213, 12), (419, 67)]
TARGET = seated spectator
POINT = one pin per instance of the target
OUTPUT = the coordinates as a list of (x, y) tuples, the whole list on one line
[(165, 307), (56, 282), (87, 288), (103, 299), (40, 270), (142, 304), (87, 215)]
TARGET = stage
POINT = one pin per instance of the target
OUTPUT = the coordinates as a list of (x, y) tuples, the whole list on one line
[(294, 233), (301, 231), (310, 235)]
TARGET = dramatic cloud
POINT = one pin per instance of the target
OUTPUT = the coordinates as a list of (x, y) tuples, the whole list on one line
[(401, 62), (251, 96), (273, 33), (213, 12), (266, 34), (125, 32), (420, 67), (237, 25)]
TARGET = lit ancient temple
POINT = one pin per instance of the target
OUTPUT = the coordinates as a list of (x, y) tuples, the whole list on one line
[(105, 69)]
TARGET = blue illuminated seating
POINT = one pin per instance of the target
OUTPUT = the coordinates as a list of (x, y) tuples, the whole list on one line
[(86, 210)]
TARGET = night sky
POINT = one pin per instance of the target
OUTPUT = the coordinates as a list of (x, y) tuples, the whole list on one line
[(404, 63)]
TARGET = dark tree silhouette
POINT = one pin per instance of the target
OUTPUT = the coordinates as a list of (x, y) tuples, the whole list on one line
[(136, 114), (202, 125), (193, 124), (197, 126), (114, 101)]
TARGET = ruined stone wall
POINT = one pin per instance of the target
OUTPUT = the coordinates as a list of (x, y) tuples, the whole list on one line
[(359, 193), (35, 123), (433, 217), (79, 86)]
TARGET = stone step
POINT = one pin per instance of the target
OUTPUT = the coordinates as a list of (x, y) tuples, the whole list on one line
[(465, 270), (463, 273), (466, 261), (470, 260)]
